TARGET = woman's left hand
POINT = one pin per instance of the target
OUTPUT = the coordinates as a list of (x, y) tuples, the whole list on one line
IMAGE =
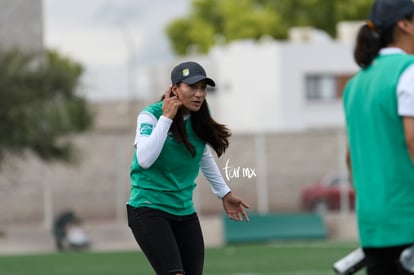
[(234, 207)]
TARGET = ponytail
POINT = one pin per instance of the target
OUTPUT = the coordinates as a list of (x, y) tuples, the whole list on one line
[(370, 40), (368, 45)]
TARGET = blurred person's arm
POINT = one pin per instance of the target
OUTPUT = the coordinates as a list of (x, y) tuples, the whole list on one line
[(348, 163), (409, 135), (405, 93)]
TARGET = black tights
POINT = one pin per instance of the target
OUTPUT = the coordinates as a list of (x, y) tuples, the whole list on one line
[(172, 244), (385, 261)]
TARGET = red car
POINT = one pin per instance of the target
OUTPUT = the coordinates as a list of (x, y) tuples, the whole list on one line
[(325, 194)]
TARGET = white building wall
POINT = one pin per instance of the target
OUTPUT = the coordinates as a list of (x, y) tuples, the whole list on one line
[(301, 59), (262, 85), (248, 78)]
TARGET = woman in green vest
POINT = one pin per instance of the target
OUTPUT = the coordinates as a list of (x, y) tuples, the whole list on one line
[(379, 111), (172, 144)]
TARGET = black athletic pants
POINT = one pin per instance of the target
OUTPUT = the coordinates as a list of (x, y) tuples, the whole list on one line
[(385, 261), (172, 244)]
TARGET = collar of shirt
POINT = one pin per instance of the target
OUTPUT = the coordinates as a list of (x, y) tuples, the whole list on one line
[(391, 50)]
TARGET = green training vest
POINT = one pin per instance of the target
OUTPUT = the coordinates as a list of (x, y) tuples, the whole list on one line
[(169, 183), (383, 173)]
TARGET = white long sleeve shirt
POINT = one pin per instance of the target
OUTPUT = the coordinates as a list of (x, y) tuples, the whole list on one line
[(148, 148)]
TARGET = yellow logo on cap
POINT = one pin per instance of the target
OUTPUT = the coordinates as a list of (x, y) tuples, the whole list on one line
[(186, 72)]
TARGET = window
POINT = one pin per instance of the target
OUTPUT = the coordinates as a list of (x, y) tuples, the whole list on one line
[(325, 87)]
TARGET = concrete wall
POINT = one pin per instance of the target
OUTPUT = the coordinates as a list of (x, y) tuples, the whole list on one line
[(98, 186), (293, 160)]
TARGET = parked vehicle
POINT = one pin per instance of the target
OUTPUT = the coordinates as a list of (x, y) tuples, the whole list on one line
[(325, 194)]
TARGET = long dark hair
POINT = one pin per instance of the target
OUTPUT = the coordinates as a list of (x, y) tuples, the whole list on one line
[(205, 127), (370, 40), (209, 130)]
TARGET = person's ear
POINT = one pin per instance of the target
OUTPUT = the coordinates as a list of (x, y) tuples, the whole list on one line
[(406, 25), (174, 89)]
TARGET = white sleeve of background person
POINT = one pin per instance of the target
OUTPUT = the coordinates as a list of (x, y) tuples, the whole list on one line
[(148, 147), (212, 173), (405, 92)]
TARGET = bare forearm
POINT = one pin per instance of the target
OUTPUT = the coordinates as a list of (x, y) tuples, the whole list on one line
[(348, 160), (411, 152), (348, 163)]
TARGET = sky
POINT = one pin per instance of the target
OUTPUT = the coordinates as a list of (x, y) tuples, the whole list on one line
[(104, 35)]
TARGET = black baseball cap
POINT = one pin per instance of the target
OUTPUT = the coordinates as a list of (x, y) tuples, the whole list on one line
[(386, 13), (190, 73)]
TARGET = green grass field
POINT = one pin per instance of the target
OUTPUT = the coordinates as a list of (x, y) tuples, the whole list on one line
[(289, 258)]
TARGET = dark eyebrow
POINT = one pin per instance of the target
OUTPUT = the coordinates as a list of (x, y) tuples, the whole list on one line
[(199, 84)]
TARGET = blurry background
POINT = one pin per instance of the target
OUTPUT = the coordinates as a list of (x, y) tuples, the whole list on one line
[(280, 67)]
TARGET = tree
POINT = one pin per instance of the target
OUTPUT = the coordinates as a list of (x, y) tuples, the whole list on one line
[(229, 20), (40, 106)]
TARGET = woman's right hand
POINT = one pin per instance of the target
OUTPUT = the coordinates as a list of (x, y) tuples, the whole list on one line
[(171, 104), (234, 207)]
